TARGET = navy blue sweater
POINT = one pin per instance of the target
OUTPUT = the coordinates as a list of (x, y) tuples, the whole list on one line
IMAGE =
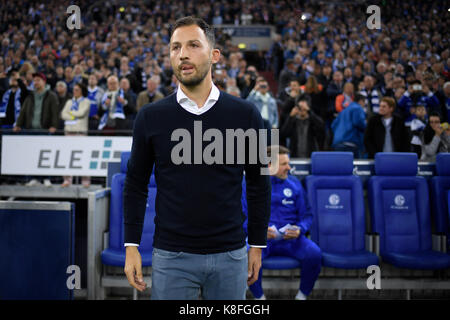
[(198, 206)]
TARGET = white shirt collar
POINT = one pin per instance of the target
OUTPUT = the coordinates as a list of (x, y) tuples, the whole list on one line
[(192, 107)]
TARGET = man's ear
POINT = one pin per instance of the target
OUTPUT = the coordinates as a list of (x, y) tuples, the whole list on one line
[(215, 55)]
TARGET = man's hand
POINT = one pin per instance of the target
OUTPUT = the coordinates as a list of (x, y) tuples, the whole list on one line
[(271, 234), (254, 264), (291, 234), (438, 130), (133, 268), (120, 99), (52, 129), (295, 110), (17, 129)]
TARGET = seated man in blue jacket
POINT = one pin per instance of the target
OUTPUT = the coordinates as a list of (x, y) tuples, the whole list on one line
[(290, 220)]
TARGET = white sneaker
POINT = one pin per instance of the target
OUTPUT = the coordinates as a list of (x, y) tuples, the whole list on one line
[(47, 183), (32, 183), (263, 297), (300, 296)]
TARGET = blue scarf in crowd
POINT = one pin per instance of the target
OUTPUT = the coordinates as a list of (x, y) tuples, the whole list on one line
[(118, 111), (4, 104), (74, 107), (92, 97)]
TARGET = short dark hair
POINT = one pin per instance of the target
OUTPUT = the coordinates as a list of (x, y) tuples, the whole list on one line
[(277, 149), (435, 114), (359, 97), (302, 97), (191, 20)]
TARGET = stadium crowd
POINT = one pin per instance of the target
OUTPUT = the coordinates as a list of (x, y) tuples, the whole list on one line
[(330, 82)]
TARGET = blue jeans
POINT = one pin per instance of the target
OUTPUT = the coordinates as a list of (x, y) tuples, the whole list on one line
[(302, 249), (186, 276)]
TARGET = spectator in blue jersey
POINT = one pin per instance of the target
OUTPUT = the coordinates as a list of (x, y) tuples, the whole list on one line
[(95, 94), (348, 128), (290, 220), (12, 100), (372, 94), (418, 124), (416, 92), (112, 109)]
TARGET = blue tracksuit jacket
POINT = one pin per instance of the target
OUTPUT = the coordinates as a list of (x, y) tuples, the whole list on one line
[(289, 204)]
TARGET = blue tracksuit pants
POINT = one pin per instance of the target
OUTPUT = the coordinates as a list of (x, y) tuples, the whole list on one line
[(302, 249)]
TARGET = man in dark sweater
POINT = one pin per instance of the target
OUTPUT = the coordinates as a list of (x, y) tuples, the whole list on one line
[(199, 242)]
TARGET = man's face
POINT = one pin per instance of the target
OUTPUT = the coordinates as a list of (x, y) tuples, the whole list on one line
[(264, 87), (337, 76), (303, 106), (447, 90), (283, 166), (434, 122), (191, 56), (112, 84), (38, 83), (61, 90), (421, 112), (68, 73), (385, 110), (294, 86), (151, 85), (92, 81), (125, 84), (368, 82)]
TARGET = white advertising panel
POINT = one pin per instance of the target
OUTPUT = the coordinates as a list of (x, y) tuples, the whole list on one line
[(61, 155)]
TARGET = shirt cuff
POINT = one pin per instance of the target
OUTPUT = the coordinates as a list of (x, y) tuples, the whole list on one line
[(261, 247), (127, 244)]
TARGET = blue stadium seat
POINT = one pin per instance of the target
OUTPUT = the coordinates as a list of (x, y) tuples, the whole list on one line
[(337, 201), (400, 214), (280, 263), (440, 187), (114, 255)]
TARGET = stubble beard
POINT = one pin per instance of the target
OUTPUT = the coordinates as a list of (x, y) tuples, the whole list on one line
[(195, 80)]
